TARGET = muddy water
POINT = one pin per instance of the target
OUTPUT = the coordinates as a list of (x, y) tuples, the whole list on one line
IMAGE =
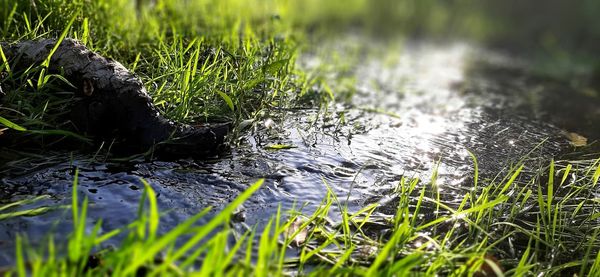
[(426, 110)]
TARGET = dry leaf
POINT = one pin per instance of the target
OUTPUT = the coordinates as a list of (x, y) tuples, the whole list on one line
[(294, 228), (279, 146), (576, 139)]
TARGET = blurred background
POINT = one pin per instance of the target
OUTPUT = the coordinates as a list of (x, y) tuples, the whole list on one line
[(540, 25)]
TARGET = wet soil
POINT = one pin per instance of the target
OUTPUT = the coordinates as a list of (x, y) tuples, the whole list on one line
[(423, 112)]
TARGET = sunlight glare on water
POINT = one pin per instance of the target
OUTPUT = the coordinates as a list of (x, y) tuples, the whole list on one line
[(406, 119), (420, 89)]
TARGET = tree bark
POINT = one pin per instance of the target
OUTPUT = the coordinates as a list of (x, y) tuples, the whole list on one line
[(112, 102)]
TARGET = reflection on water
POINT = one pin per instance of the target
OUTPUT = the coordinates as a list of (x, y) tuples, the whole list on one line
[(446, 105)]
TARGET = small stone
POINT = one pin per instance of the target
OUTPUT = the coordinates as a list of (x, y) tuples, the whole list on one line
[(239, 215)]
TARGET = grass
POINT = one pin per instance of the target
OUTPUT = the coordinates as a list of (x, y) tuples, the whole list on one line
[(196, 70), (509, 226), (232, 59), (236, 60)]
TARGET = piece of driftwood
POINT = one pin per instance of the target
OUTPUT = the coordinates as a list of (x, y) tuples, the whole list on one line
[(112, 102)]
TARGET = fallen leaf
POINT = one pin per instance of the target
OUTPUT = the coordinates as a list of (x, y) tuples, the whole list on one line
[(300, 234), (576, 139), (279, 146)]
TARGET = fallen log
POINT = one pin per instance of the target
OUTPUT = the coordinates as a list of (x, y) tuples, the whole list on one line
[(111, 102)]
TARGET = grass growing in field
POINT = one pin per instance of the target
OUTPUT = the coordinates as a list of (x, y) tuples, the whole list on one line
[(510, 226)]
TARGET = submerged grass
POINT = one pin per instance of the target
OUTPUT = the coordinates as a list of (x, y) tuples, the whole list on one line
[(10, 210), (510, 227)]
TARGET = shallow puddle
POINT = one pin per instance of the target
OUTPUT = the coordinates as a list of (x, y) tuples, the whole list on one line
[(424, 112)]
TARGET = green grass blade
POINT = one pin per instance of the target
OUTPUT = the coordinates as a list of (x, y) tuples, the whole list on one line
[(5, 64), (170, 237), (63, 35), (550, 192), (11, 125), (74, 200), (153, 215)]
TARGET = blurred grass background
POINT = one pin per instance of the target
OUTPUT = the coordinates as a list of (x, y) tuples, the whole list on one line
[(536, 24)]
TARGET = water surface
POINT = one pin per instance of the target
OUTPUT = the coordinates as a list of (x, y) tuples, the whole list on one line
[(421, 112)]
